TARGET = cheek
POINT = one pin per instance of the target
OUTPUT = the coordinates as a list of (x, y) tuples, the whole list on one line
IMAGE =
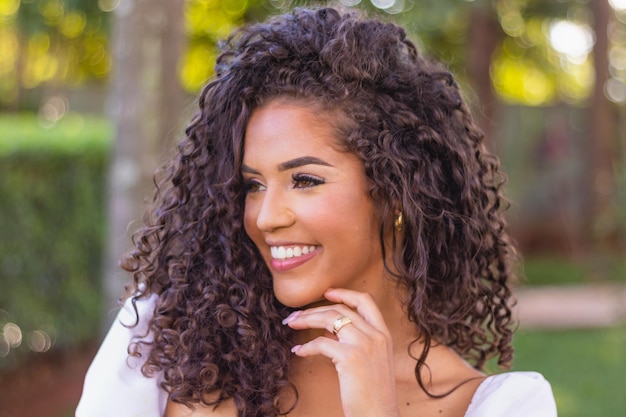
[(350, 206), (249, 221)]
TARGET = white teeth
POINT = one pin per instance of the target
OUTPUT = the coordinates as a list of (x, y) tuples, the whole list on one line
[(280, 252)]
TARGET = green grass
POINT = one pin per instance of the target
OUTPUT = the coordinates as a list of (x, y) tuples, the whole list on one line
[(552, 270), (587, 368)]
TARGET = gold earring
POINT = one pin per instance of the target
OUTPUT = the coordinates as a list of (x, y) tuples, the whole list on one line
[(398, 223)]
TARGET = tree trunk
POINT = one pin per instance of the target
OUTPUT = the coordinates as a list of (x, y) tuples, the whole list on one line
[(601, 218), (144, 105), (484, 35)]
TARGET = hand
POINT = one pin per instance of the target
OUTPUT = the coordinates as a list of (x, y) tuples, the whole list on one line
[(361, 351)]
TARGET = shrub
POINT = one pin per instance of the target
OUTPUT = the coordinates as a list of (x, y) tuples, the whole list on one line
[(52, 223)]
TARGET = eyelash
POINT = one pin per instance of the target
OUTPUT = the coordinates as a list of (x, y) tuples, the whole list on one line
[(252, 186), (300, 181), (309, 180)]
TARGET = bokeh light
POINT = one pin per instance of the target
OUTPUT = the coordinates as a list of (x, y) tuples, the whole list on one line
[(235, 8), (350, 3), (617, 57), (108, 5), (512, 23), (9, 47), (53, 110), (5, 347), (12, 334), (39, 341), (383, 4), (519, 80), (197, 67), (12, 337), (9, 8), (52, 12), (281, 4), (615, 90), (571, 39), (390, 6), (618, 5), (73, 24)]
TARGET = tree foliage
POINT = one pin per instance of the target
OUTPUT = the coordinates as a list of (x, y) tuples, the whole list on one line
[(50, 43), (56, 43)]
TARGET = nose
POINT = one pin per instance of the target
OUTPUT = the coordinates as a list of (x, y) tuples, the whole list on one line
[(274, 212)]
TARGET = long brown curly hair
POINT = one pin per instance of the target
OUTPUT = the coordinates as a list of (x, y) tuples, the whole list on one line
[(216, 331)]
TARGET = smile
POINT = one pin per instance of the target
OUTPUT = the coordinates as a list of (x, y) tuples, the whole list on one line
[(281, 252)]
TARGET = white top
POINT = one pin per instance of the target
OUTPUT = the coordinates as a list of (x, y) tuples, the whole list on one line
[(513, 394), (115, 386)]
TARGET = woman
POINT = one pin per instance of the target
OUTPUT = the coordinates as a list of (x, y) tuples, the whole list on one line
[(328, 240)]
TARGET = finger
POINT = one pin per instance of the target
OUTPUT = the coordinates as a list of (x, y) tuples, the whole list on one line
[(325, 318), (332, 349), (351, 357), (362, 302)]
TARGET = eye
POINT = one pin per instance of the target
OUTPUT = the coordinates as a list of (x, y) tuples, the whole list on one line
[(253, 186), (306, 181)]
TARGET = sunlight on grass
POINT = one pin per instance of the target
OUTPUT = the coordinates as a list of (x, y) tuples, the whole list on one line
[(585, 367)]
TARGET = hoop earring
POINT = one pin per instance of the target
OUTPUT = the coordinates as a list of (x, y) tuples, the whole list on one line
[(398, 223)]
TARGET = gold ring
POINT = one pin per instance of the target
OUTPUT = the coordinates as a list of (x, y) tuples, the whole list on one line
[(340, 322)]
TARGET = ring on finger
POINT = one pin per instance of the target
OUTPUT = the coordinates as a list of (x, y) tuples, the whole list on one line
[(339, 323)]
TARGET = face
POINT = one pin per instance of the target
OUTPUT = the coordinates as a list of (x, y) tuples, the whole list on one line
[(307, 206)]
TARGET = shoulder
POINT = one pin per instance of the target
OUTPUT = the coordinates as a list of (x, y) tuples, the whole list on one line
[(513, 394), (114, 383)]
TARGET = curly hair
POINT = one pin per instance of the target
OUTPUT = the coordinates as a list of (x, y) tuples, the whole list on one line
[(216, 333)]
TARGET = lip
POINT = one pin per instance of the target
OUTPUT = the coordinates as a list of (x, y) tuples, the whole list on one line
[(282, 265)]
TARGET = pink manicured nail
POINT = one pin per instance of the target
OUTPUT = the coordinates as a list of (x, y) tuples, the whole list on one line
[(296, 348), (292, 317)]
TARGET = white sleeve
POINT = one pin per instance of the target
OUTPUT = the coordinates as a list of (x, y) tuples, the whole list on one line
[(513, 394), (114, 384)]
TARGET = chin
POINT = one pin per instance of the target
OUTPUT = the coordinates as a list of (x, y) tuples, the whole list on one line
[(297, 301)]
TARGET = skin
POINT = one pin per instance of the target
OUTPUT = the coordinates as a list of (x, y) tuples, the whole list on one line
[(322, 201)]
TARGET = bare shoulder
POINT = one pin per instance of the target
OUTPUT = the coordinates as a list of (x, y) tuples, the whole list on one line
[(449, 386), (226, 409)]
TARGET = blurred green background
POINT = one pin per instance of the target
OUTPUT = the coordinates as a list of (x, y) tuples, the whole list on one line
[(93, 92)]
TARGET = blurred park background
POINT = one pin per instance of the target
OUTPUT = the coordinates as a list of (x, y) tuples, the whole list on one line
[(92, 92)]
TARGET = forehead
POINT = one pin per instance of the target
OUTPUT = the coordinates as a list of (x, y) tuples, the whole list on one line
[(288, 128)]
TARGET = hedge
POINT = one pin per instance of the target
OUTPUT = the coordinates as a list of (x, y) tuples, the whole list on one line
[(52, 225)]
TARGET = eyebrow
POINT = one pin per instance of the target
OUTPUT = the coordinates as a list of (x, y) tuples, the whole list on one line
[(291, 164)]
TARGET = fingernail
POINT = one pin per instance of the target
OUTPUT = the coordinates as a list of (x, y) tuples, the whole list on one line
[(296, 348), (291, 317)]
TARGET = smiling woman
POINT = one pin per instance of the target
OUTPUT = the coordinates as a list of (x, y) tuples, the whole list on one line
[(327, 240)]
